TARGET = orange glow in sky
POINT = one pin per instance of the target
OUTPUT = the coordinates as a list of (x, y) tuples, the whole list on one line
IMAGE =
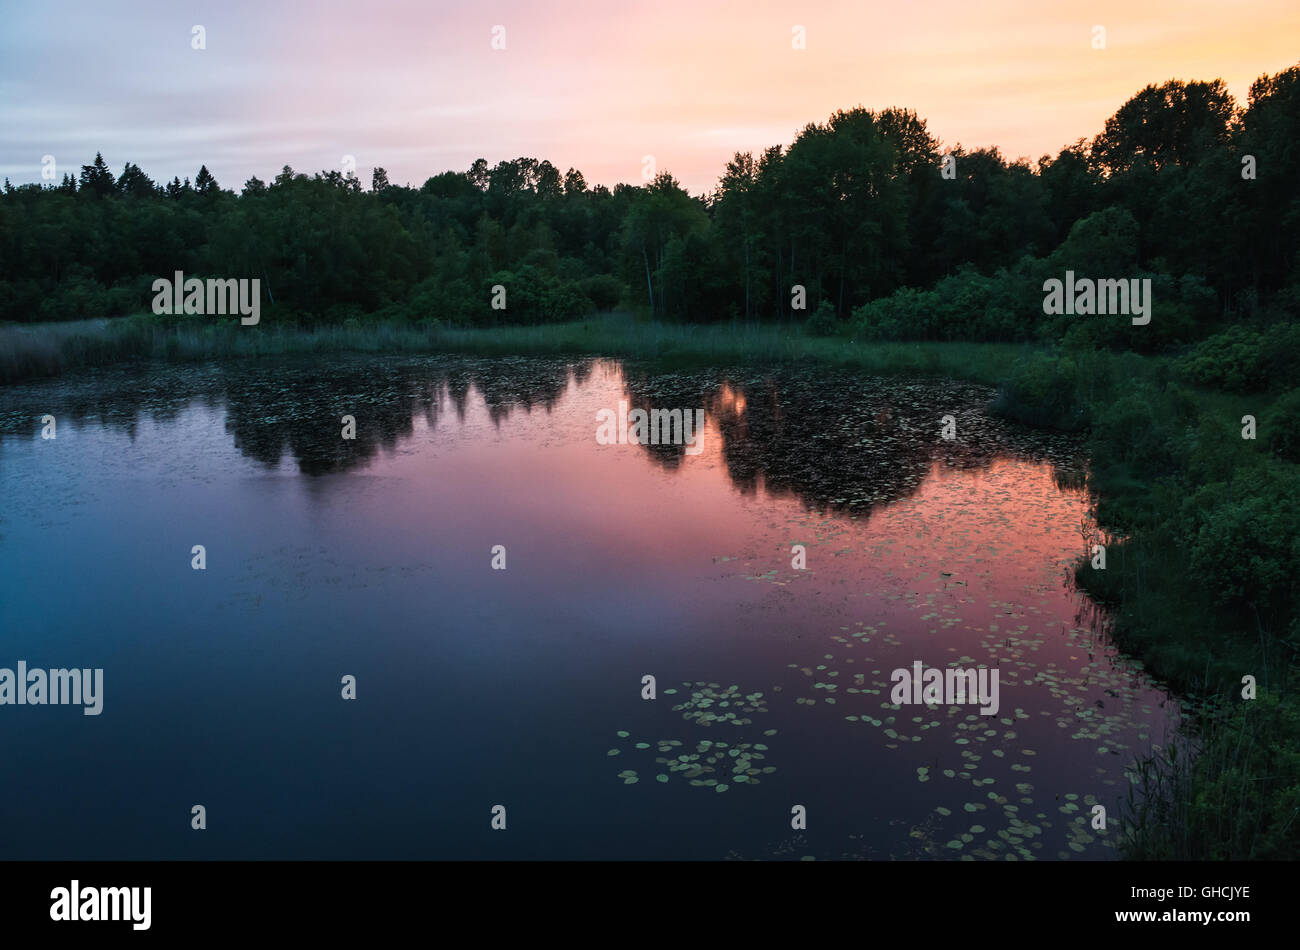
[(417, 87)]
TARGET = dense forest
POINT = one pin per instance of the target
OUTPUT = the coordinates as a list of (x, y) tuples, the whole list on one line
[(891, 235)]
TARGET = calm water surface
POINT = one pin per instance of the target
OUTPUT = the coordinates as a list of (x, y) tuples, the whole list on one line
[(522, 687)]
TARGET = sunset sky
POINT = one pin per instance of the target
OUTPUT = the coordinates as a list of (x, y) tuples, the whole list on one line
[(417, 88)]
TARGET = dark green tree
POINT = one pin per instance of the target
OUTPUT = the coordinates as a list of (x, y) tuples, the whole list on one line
[(96, 178)]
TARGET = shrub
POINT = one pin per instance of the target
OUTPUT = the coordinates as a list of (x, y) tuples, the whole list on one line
[(76, 297), (604, 291), (1244, 543), (1141, 432), (1044, 390), (1243, 359), (1281, 426), (907, 314), (1229, 361), (823, 321)]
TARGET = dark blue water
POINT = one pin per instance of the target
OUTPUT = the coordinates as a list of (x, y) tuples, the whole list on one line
[(479, 687)]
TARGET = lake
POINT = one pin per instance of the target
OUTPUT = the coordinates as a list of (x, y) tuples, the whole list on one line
[(475, 687)]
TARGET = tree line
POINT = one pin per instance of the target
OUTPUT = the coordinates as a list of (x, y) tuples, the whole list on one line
[(890, 234)]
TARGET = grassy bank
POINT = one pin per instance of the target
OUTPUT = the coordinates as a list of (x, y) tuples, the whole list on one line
[(50, 349), (1203, 587)]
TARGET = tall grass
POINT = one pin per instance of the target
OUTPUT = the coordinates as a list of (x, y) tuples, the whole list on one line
[(48, 350), (1199, 799)]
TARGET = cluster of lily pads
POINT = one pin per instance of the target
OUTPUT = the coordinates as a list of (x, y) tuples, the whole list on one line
[(977, 736), (1021, 837), (714, 763), (709, 700)]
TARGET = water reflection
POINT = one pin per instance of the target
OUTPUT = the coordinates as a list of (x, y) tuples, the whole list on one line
[(837, 441)]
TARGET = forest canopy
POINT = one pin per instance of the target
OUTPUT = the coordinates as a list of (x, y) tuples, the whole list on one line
[(892, 235)]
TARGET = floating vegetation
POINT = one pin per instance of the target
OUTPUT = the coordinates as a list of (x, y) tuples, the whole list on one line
[(995, 743), (707, 762), (708, 700)]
